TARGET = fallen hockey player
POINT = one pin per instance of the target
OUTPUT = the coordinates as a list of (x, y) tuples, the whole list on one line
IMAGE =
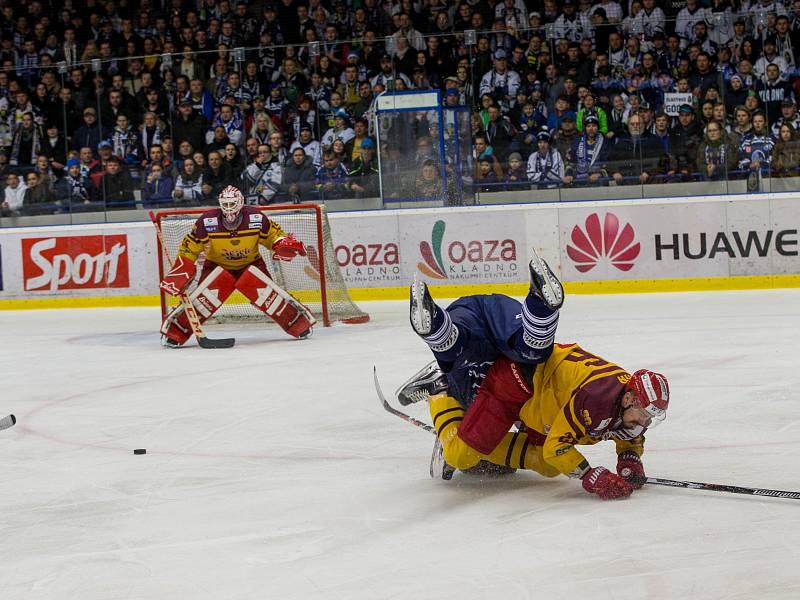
[(497, 365)]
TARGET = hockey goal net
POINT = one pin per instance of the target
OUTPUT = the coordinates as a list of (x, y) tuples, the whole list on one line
[(314, 279)]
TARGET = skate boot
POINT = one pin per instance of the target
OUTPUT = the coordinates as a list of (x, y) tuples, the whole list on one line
[(422, 310), (429, 381), (544, 283), (439, 466), (169, 342)]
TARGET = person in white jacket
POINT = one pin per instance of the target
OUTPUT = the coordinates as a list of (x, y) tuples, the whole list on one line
[(189, 184), (571, 24), (649, 21), (500, 83), (545, 166), (14, 194), (687, 18)]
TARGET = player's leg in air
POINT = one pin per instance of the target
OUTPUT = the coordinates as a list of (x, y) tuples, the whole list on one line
[(466, 338), (474, 330)]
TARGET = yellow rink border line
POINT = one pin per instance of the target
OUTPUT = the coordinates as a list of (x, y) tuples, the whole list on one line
[(632, 286)]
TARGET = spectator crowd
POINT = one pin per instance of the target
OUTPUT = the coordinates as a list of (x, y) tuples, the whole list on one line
[(117, 104)]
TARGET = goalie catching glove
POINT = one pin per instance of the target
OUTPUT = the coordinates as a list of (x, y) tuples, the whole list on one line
[(179, 276), (287, 247)]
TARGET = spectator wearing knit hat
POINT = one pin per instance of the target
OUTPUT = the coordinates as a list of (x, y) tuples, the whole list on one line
[(516, 176), (545, 166), (586, 160)]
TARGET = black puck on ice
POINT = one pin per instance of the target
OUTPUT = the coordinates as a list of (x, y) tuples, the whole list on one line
[(140, 451)]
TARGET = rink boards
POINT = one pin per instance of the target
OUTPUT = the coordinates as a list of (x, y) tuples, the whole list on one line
[(598, 247)]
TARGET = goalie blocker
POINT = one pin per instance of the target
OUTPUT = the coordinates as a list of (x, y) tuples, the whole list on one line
[(217, 285)]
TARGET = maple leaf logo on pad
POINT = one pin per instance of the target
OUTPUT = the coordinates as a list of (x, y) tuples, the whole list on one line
[(597, 242)]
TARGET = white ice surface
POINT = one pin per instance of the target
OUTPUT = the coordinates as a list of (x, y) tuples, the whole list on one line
[(272, 472)]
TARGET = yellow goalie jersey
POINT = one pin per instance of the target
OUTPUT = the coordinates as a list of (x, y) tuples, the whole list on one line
[(576, 400), (233, 249)]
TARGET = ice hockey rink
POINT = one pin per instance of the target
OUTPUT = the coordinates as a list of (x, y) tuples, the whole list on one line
[(272, 472)]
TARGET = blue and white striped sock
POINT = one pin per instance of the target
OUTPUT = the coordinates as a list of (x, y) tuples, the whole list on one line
[(539, 323), (444, 334)]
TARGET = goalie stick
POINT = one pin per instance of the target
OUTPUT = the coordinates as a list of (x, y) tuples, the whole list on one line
[(716, 487), (191, 313), (7, 422), (438, 464)]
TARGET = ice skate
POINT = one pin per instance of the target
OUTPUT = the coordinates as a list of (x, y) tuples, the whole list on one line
[(544, 283), (422, 310), (169, 342), (439, 466), (429, 381)]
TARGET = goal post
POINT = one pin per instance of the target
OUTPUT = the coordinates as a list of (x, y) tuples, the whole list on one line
[(315, 279)]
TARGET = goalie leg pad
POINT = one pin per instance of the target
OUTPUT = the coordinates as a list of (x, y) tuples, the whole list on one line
[(207, 297), (294, 318), (176, 326), (447, 415)]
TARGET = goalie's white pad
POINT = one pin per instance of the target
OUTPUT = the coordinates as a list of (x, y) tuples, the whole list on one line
[(294, 318)]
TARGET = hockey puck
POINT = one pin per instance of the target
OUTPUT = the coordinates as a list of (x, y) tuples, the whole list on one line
[(140, 451)]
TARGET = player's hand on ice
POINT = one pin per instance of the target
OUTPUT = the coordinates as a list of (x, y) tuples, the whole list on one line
[(179, 276), (606, 484), (631, 469), (287, 247)]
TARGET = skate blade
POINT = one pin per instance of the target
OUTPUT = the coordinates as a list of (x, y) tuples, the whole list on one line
[(420, 318), (551, 287)]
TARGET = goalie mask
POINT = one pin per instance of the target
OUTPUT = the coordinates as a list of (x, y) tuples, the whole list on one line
[(231, 202)]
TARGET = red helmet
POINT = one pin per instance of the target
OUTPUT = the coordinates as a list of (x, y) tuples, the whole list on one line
[(650, 392)]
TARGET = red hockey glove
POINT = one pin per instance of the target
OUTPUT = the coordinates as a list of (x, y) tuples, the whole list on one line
[(286, 248), (631, 469), (180, 275), (605, 484)]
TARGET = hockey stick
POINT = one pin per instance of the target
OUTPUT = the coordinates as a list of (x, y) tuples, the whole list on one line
[(394, 411), (715, 487), (191, 313), (712, 487), (7, 422)]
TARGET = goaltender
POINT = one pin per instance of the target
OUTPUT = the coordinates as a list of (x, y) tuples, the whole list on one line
[(231, 236)]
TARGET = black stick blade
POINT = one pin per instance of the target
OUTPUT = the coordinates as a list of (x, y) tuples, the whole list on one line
[(207, 343), (7, 421)]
